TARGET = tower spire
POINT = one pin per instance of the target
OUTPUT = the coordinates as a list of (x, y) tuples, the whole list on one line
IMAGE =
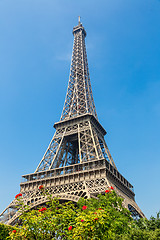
[(79, 97), (79, 20)]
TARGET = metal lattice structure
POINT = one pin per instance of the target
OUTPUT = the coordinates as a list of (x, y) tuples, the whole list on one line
[(77, 162), (79, 98)]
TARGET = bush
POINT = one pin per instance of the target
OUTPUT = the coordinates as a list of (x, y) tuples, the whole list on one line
[(4, 231), (101, 218)]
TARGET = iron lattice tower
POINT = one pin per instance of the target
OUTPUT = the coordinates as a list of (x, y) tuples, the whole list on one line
[(77, 162)]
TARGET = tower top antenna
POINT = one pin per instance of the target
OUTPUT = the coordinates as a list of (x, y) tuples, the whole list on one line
[(79, 19)]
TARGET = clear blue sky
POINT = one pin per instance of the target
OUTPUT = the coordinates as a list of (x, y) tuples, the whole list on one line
[(123, 46)]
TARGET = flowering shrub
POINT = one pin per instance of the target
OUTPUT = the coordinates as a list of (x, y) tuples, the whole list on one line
[(84, 207), (18, 195), (5, 230), (42, 209), (107, 191), (41, 187), (97, 218)]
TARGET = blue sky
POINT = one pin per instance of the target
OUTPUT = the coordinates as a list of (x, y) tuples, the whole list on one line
[(123, 46)]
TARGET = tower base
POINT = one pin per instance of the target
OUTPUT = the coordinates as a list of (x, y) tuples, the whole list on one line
[(72, 182)]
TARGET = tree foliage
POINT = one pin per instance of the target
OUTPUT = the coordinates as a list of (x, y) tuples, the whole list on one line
[(98, 218), (5, 230)]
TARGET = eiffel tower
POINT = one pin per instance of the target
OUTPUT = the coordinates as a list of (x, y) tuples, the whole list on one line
[(77, 162)]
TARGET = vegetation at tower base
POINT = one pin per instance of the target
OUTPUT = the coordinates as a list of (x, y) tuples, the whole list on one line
[(5, 231), (95, 218)]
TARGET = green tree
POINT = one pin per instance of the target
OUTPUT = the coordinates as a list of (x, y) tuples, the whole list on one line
[(4, 231), (99, 218), (103, 217), (145, 229)]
